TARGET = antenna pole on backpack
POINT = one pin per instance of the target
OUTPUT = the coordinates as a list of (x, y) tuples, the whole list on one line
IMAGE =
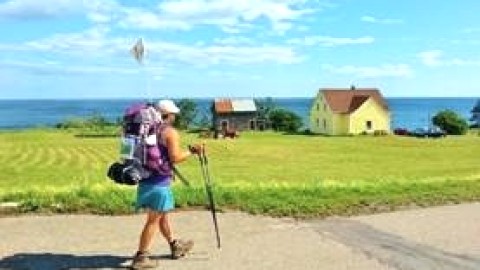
[(138, 52)]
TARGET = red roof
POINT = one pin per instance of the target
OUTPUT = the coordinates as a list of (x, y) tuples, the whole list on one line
[(346, 100), (223, 106), (356, 102)]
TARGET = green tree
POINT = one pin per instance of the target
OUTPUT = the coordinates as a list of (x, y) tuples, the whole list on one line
[(188, 112), (285, 120), (476, 115), (264, 107), (450, 122), (204, 121)]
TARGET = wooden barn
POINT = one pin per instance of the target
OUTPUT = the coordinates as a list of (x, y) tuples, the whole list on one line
[(236, 115)]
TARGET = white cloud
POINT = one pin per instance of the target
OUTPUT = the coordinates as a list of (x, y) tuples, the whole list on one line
[(234, 40), (465, 41), (82, 43), (370, 19), (223, 74), (33, 9), (231, 16), (471, 30), (431, 58), (435, 58), (102, 11), (98, 17), (90, 42), (55, 68), (303, 28), (95, 44), (98, 11), (386, 70), (142, 19), (327, 41), (232, 10), (224, 54)]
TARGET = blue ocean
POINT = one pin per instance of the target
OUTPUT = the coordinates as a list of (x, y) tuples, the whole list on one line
[(18, 114)]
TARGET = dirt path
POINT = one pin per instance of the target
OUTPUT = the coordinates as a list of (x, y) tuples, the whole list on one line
[(435, 238)]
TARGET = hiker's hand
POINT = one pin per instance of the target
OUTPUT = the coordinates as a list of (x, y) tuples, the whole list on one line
[(195, 149)]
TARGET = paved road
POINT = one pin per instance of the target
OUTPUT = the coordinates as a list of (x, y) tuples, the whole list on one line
[(445, 238)]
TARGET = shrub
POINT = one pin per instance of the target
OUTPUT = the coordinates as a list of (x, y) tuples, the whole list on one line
[(380, 133), (307, 131), (450, 122), (476, 115), (285, 120), (94, 121)]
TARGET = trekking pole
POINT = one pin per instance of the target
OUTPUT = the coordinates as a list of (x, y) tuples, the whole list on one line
[(179, 175), (208, 187)]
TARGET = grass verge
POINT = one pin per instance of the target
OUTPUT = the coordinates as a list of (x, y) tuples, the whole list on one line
[(303, 201)]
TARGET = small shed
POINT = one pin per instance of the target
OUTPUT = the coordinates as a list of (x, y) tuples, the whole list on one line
[(235, 114)]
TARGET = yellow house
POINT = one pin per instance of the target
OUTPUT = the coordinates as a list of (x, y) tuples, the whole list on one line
[(349, 111)]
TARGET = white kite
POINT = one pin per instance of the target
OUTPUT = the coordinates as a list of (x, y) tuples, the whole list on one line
[(138, 51)]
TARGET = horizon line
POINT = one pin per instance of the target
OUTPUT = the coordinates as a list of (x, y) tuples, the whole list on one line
[(236, 97)]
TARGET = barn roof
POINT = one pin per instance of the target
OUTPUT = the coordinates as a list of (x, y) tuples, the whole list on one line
[(234, 105), (223, 106)]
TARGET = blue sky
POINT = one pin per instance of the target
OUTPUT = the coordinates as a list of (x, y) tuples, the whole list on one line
[(243, 48)]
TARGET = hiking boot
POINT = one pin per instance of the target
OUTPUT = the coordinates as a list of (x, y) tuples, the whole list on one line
[(180, 247), (142, 261)]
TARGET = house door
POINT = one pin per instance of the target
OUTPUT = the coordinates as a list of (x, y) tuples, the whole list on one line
[(252, 124), (224, 125), (261, 125)]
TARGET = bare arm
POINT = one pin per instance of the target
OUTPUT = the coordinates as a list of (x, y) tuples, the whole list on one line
[(172, 140)]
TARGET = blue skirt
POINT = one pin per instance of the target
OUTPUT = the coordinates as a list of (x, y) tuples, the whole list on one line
[(155, 197)]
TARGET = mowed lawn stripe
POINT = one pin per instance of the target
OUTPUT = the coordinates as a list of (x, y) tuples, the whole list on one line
[(259, 172)]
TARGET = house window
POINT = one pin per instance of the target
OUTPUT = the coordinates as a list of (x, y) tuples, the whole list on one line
[(318, 107), (252, 125), (224, 124), (324, 124), (318, 122), (324, 107), (369, 125)]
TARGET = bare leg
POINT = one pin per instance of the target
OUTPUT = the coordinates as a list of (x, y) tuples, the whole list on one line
[(149, 230), (178, 247), (165, 228)]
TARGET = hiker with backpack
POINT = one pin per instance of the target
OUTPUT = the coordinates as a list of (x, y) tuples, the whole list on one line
[(154, 192)]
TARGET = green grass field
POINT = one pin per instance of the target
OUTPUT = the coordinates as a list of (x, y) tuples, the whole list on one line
[(269, 173)]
